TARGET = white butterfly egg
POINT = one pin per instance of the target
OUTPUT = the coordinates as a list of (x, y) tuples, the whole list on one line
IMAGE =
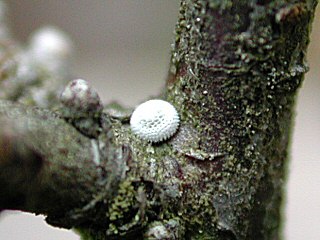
[(155, 120)]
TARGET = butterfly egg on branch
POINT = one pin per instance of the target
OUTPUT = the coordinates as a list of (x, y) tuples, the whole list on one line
[(155, 120)]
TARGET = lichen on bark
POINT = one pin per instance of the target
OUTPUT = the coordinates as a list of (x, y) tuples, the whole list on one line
[(234, 73)]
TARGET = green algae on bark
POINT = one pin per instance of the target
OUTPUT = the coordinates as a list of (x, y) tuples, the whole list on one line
[(235, 69)]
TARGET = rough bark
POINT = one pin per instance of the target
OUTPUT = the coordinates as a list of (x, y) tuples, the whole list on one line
[(235, 70)]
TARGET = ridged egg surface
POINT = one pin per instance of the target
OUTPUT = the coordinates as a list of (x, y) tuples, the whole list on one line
[(154, 120)]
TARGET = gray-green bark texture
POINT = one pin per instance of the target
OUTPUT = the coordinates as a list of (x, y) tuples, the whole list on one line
[(235, 70)]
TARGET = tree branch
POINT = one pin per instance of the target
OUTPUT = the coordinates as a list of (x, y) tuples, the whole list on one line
[(47, 167), (235, 70)]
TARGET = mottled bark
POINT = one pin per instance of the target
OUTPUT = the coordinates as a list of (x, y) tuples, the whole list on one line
[(235, 70)]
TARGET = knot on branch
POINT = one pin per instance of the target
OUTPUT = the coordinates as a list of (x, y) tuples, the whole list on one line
[(82, 107)]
